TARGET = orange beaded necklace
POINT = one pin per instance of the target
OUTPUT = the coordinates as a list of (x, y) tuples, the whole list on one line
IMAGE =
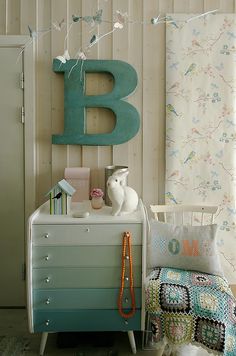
[(125, 256)]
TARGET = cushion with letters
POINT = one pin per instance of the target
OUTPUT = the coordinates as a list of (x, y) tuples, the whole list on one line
[(185, 247)]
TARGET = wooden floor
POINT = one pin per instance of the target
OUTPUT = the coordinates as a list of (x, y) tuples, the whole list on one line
[(13, 322)]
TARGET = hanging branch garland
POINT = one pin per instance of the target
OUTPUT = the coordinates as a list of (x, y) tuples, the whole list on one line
[(95, 20)]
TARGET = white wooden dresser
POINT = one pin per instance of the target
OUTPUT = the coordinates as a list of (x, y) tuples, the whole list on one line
[(74, 271)]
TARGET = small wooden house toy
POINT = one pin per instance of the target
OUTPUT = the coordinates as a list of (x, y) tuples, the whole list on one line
[(60, 198)]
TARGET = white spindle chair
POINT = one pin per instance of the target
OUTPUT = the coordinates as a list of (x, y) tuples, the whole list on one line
[(183, 215)]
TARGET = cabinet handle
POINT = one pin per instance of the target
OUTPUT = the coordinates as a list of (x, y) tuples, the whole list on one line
[(126, 300), (87, 229), (47, 280), (127, 257), (46, 236), (126, 322), (47, 301), (46, 258), (47, 322), (126, 278)]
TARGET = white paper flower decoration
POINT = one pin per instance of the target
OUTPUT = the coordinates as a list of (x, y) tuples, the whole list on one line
[(118, 25), (120, 19), (65, 57), (81, 55)]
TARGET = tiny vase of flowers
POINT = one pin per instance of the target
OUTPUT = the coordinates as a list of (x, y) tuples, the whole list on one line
[(96, 198)]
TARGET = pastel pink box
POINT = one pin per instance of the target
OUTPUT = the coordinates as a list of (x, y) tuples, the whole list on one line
[(79, 178)]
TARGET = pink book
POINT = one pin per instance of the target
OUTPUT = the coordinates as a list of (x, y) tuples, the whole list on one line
[(79, 178)]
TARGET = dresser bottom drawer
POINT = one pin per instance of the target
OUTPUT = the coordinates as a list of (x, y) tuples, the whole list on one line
[(84, 320)]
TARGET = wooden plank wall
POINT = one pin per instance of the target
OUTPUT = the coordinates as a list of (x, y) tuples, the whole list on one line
[(139, 43)]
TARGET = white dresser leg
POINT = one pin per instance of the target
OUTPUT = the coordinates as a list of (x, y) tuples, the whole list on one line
[(43, 343), (160, 351), (132, 341)]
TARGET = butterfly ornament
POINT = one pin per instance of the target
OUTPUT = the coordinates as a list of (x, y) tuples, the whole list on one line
[(94, 40), (33, 34), (155, 20), (58, 25), (91, 20), (94, 20)]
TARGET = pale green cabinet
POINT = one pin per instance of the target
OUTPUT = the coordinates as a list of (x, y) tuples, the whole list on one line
[(74, 272)]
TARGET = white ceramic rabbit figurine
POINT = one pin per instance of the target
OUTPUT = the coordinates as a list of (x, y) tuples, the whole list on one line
[(124, 199)]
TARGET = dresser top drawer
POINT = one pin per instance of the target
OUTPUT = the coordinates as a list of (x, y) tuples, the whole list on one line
[(94, 234)]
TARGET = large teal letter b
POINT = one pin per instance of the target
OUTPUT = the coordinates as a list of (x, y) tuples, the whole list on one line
[(75, 102)]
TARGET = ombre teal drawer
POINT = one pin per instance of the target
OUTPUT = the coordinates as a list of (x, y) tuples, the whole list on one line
[(94, 234), (83, 298), (81, 277), (75, 272), (84, 320), (92, 256)]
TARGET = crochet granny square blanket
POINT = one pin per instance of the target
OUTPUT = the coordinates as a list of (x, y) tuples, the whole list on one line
[(187, 307)]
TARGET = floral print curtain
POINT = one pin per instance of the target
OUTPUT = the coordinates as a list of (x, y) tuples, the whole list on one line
[(201, 120)]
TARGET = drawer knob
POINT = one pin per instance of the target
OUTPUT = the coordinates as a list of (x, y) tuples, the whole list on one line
[(46, 236), (47, 280), (126, 322), (126, 278), (87, 229), (46, 258), (46, 322), (47, 301), (126, 300), (127, 257)]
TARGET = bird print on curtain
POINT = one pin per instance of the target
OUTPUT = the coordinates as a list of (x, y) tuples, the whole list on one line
[(201, 121)]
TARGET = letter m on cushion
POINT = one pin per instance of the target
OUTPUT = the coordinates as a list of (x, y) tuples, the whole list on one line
[(190, 248), (127, 121)]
